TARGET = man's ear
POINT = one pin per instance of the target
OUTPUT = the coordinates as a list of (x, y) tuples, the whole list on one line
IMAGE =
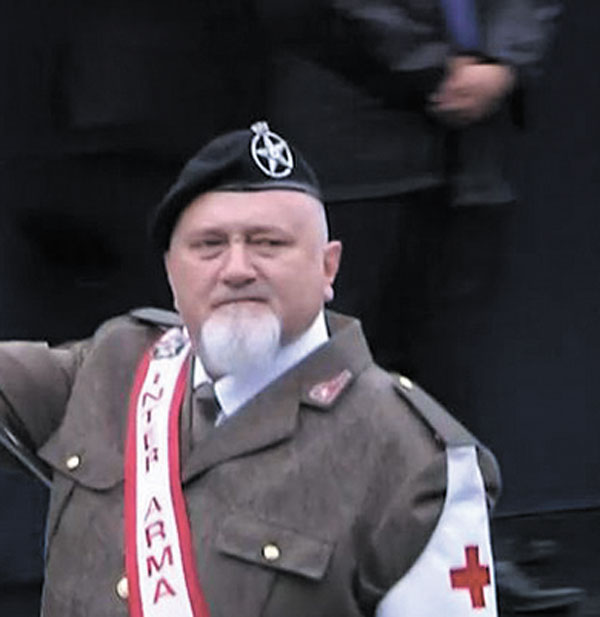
[(331, 264), (166, 262)]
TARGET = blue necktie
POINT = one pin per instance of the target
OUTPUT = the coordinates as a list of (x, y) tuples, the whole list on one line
[(462, 23)]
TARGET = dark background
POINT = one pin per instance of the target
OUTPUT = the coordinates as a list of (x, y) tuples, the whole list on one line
[(538, 385), (100, 105)]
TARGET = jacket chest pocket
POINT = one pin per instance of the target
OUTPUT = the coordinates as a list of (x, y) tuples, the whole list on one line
[(272, 546)]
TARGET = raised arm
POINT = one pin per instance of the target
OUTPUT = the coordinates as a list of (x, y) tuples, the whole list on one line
[(35, 384)]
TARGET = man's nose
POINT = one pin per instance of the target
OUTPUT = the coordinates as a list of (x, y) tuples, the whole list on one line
[(238, 269)]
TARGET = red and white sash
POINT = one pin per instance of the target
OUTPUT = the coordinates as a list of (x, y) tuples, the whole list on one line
[(159, 553)]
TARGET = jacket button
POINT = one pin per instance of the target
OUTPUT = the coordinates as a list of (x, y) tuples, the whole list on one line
[(405, 382), (122, 588), (271, 552), (73, 462)]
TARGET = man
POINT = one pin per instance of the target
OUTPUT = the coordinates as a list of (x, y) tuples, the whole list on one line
[(315, 483)]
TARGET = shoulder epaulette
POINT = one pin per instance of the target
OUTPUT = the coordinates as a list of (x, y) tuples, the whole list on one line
[(445, 426), (156, 316)]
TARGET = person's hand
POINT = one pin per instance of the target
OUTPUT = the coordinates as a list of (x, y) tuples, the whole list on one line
[(471, 90)]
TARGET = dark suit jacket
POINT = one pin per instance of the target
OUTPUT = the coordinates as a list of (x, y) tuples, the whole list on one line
[(349, 489), (349, 82)]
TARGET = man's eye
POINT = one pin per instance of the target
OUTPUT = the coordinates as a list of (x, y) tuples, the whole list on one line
[(206, 248), (267, 242), (204, 243)]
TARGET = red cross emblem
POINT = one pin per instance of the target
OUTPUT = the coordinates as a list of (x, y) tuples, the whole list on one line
[(473, 577)]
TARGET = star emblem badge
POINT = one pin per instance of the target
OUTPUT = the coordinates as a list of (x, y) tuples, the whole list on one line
[(270, 152)]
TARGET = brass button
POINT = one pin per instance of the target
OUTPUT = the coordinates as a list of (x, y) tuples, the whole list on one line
[(73, 462), (271, 552), (405, 382), (122, 588)]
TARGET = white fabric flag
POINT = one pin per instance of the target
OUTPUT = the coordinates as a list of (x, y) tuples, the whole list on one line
[(454, 575)]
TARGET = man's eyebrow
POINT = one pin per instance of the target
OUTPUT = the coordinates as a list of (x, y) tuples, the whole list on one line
[(206, 231), (258, 229)]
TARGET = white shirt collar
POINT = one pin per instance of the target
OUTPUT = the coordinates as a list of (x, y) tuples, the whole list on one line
[(232, 392)]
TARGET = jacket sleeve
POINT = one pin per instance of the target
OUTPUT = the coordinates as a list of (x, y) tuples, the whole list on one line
[(423, 528), (518, 32), (35, 385), (397, 529), (435, 490)]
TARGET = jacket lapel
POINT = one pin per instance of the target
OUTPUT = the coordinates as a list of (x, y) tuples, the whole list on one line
[(270, 417)]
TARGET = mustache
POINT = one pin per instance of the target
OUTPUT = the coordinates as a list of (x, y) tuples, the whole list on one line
[(246, 295)]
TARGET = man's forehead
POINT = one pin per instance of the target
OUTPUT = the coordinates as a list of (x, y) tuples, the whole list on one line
[(251, 212), (232, 205)]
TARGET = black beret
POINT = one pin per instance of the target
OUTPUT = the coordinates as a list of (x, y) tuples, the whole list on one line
[(251, 159)]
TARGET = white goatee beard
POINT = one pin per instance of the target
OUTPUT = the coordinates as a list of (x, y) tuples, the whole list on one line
[(239, 340)]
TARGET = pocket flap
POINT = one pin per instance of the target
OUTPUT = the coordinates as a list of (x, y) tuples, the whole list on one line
[(94, 462), (271, 545)]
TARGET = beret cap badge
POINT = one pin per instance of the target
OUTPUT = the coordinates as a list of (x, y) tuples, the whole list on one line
[(270, 152)]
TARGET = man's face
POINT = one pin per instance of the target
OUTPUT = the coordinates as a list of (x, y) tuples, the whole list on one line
[(255, 251)]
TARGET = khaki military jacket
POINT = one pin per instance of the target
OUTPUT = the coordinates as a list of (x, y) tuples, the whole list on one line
[(348, 488)]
